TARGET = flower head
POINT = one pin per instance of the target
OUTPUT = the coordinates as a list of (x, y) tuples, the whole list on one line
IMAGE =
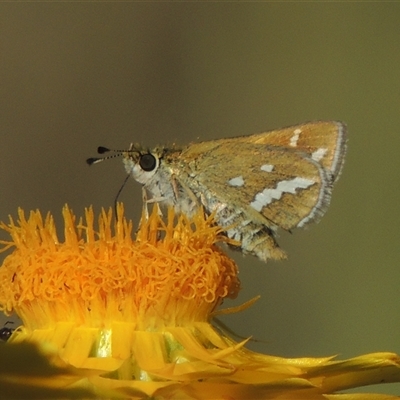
[(130, 318), (96, 278)]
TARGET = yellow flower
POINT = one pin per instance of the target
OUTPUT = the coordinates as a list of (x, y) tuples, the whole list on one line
[(121, 318)]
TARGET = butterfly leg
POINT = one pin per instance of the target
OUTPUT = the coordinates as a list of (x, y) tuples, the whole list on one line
[(154, 200), (144, 204), (185, 197), (147, 201)]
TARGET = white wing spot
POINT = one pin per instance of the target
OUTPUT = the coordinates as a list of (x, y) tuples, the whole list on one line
[(238, 181), (267, 167), (317, 155), (295, 137), (267, 196)]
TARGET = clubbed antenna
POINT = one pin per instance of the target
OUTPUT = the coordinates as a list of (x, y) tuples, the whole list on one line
[(102, 150)]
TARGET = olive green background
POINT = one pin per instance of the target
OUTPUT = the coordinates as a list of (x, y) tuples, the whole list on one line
[(77, 75)]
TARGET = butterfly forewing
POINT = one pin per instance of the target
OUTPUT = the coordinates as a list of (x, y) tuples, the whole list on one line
[(266, 183), (324, 141)]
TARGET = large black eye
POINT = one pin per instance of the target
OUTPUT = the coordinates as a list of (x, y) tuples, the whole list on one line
[(147, 162)]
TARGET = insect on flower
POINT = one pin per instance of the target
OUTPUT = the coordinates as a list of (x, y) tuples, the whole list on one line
[(6, 332)]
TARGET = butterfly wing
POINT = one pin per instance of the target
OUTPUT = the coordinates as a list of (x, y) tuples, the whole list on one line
[(273, 185), (323, 141), (291, 157)]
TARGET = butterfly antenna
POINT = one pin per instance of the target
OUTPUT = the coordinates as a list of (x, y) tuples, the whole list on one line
[(103, 150)]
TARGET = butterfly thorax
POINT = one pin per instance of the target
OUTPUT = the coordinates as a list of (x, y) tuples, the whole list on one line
[(163, 183)]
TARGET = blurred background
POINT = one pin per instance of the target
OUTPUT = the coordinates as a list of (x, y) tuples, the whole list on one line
[(74, 76)]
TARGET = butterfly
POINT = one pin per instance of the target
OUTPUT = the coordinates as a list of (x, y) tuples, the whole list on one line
[(253, 184)]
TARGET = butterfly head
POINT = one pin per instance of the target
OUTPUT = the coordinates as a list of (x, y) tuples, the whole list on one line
[(141, 163)]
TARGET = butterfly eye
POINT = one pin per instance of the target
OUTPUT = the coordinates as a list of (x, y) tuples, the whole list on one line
[(147, 162)]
